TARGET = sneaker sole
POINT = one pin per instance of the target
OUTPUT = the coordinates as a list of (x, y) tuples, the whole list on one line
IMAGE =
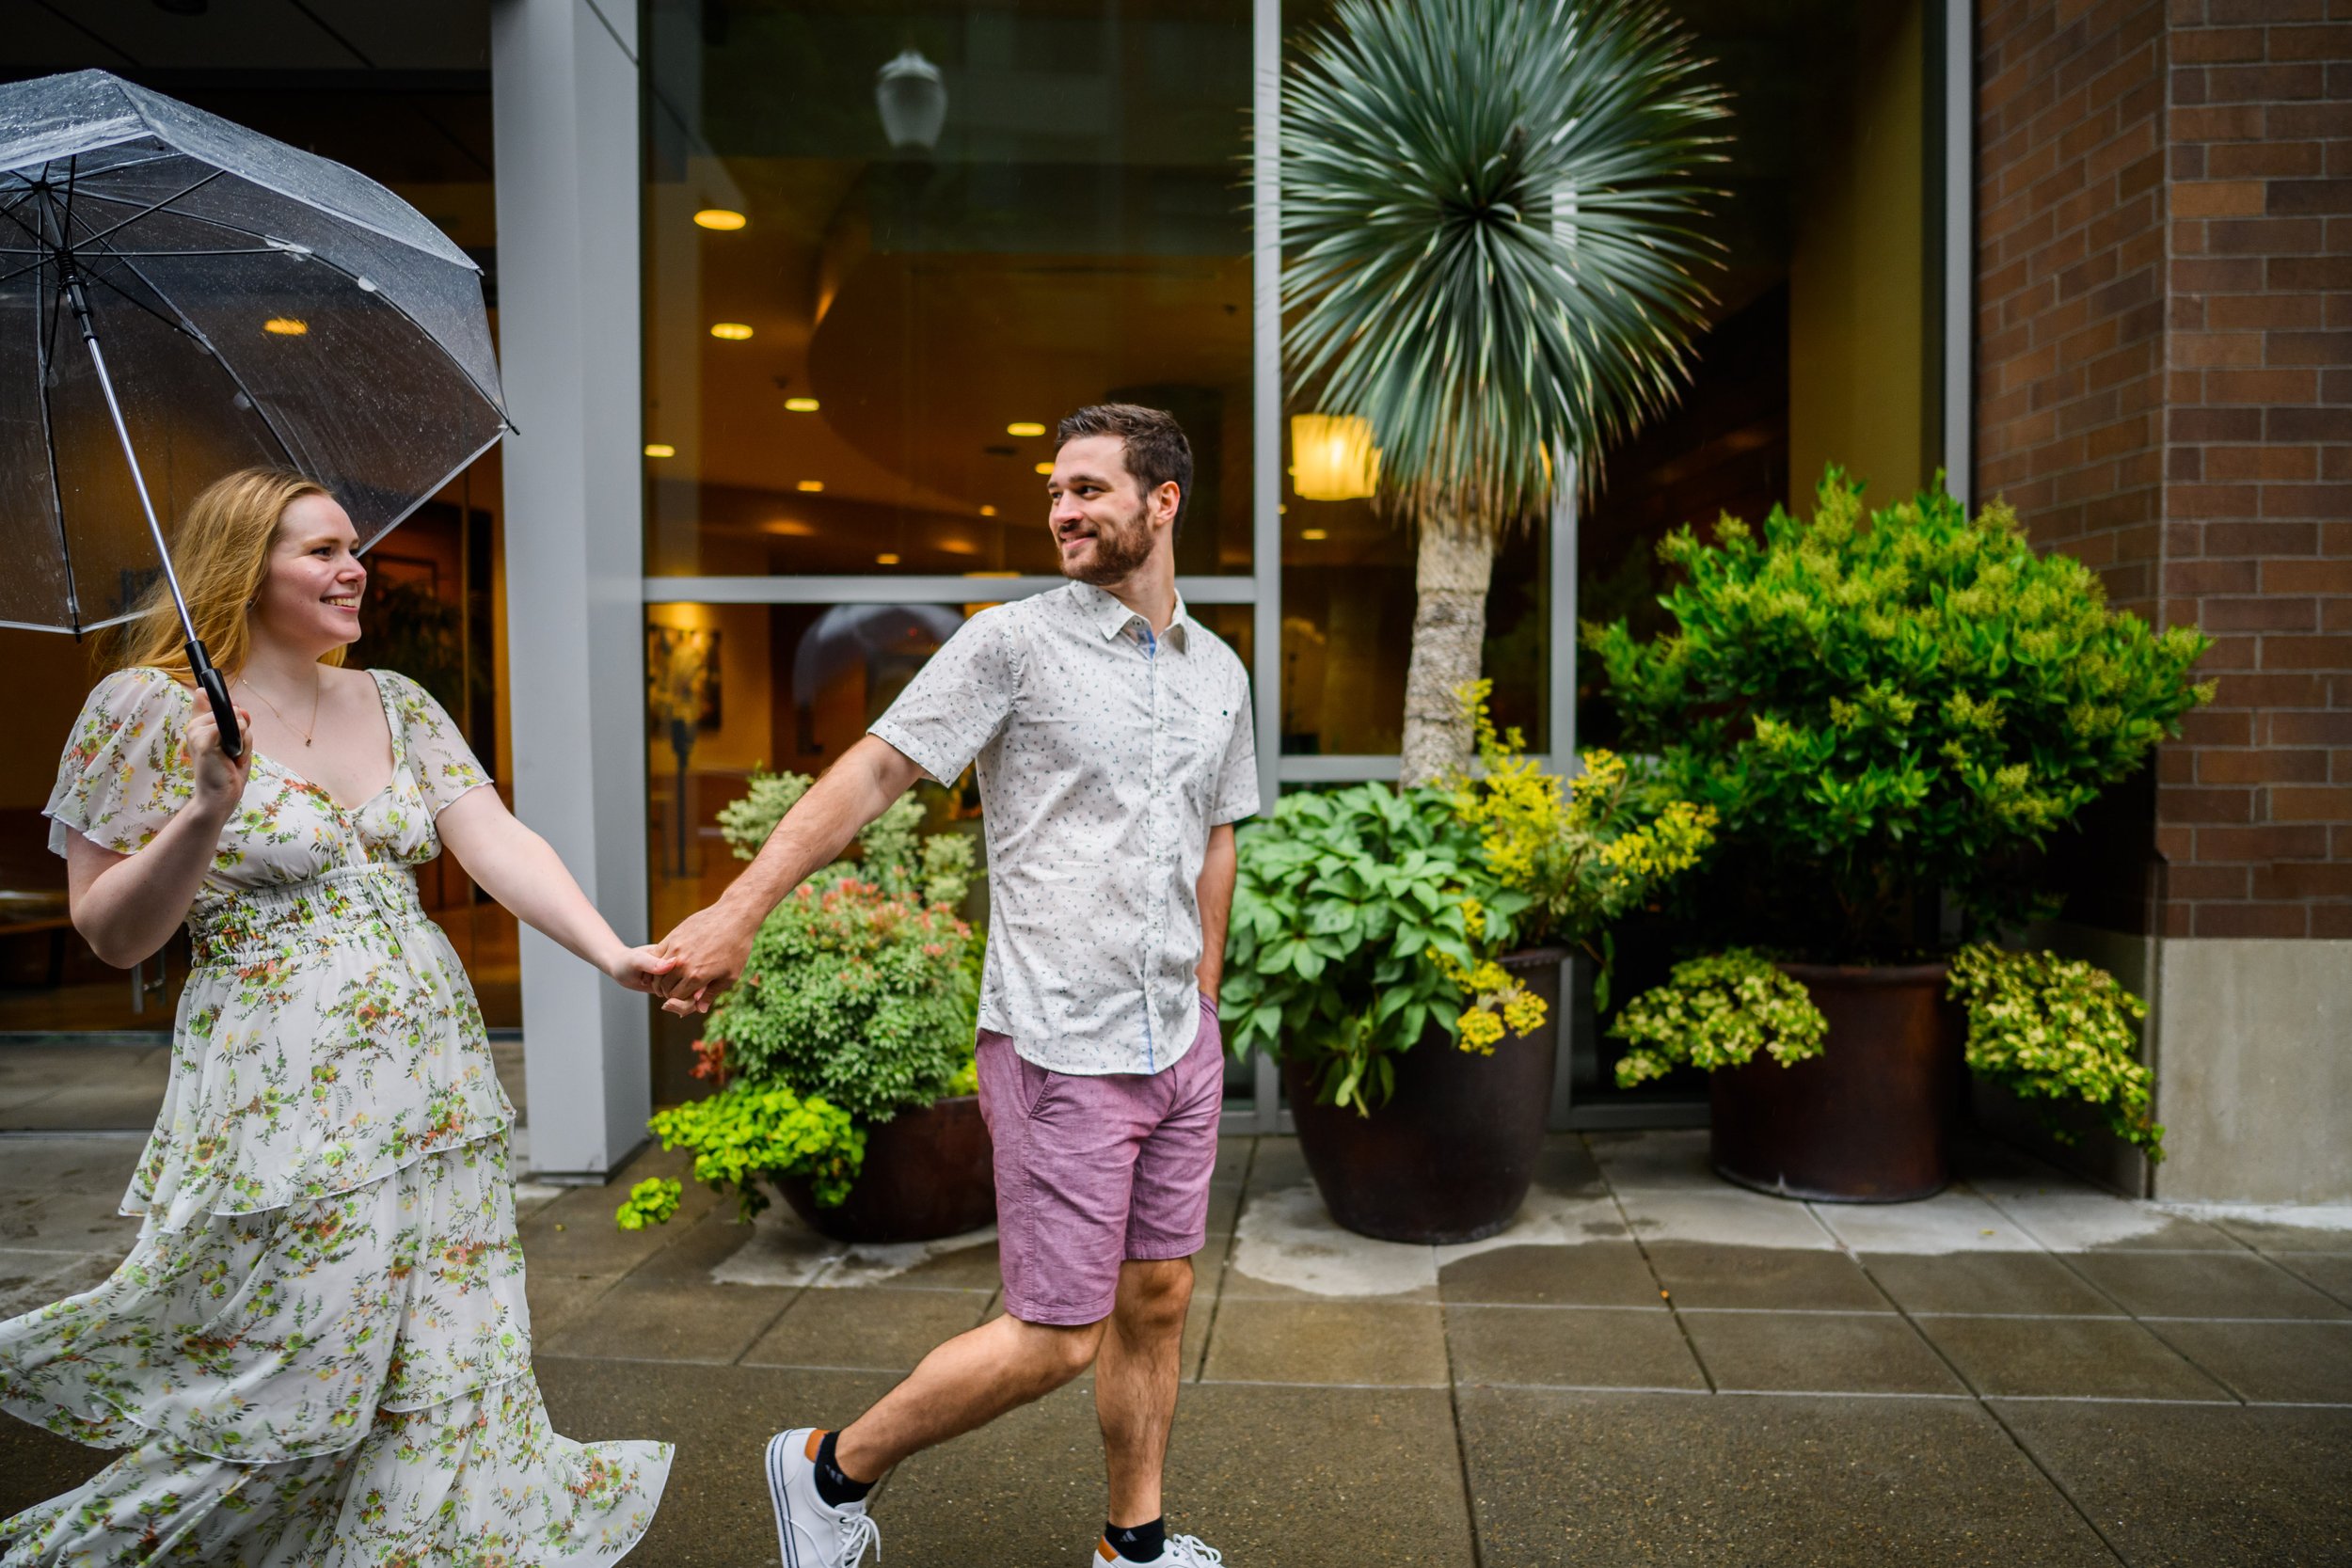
[(779, 1495)]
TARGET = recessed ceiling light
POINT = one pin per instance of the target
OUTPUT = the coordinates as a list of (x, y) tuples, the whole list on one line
[(659, 448), (1024, 427), (734, 332), (285, 326), (791, 528), (801, 406), (1314, 534), (888, 558), (1045, 467), (991, 574), (811, 485), (723, 219), (988, 511), (958, 547)]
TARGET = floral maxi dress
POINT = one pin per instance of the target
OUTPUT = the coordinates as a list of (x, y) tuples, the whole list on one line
[(318, 1352)]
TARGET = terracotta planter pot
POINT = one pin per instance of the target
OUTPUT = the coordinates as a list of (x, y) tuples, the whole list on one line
[(1449, 1156), (929, 1172), (1868, 1121)]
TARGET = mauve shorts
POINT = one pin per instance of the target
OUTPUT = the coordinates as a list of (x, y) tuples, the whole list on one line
[(1093, 1170)]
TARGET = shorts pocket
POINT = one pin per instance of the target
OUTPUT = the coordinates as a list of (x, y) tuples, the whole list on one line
[(1037, 1082)]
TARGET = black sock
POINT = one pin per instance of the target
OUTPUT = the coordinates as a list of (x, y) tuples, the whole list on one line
[(1138, 1543), (833, 1483)]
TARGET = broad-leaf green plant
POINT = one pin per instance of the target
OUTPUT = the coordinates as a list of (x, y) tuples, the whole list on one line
[(1361, 916), (1489, 225)]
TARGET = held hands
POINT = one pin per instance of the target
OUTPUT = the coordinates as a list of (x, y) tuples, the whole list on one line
[(703, 954), (638, 968), (219, 777)]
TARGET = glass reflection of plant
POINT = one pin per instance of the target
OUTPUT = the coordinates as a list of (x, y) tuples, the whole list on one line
[(681, 696), (1487, 238)]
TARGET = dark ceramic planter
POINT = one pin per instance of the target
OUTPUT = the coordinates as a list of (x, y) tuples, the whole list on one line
[(1449, 1158), (1868, 1119), (929, 1173)]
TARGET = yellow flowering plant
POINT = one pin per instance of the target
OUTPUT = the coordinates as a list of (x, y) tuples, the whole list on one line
[(2053, 1028), (1584, 851)]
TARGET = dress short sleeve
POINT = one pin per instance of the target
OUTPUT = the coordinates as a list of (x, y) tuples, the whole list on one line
[(960, 698), (444, 764), (123, 773)]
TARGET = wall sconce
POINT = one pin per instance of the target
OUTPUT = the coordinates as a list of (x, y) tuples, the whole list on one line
[(1332, 457), (912, 99)]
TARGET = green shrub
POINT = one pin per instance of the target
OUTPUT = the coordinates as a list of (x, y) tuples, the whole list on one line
[(2053, 1028), (1885, 707), (743, 1135), (1361, 916), (1718, 1011)]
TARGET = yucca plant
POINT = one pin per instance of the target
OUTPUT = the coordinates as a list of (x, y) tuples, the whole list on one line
[(1490, 242)]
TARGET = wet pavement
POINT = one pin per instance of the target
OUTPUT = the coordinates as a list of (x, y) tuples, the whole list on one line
[(1651, 1367)]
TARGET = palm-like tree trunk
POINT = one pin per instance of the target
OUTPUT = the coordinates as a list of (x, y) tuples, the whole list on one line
[(1455, 565)]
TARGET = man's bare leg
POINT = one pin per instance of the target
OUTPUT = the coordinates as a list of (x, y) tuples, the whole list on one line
[(1136, 1378), (966, 1383)]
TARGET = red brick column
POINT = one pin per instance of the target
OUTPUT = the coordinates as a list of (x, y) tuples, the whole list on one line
[(2164, 380)]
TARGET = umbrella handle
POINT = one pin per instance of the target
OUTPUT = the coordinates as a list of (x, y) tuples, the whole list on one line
[(216, 690)]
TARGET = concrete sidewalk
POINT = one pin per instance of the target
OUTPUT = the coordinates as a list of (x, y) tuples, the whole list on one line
[(1651, 1367)]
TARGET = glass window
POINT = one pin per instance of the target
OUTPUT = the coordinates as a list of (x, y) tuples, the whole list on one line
[(887, 247)]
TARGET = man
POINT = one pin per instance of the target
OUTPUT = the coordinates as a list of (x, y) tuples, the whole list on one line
[(1112, 737)]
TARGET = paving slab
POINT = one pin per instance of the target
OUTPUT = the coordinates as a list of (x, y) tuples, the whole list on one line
[(1722, 1216), (125, 1107), (66, 1219), (1567, 1167), (1298, 1477), (1861, 1353), (1655, 1161), (2073, 1358), (2326, 1271), (2201, 1486), (101, 1161), (2290, 1363), (1951, 1221), (2205, 1285), (2032, 1282), (1277, 1163), (558, 1300), (1395, 1344), (2275, 1229), (715, 1512), (1704, 1273), (868, 1330), (35, 1465), (657, 1322), (1597, 1273), (1286, 1246), (1580, 1479), (2070, 1217), (1571, 1347)]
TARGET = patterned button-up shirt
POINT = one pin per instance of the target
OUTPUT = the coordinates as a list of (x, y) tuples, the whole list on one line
[(1106, 755)]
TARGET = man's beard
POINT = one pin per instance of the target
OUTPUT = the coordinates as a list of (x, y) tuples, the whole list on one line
[(1118, 549)]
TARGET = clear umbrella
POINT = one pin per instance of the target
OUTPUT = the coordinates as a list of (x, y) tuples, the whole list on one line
[(180, 297)]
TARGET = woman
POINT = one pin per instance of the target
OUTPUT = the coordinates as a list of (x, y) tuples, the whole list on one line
[(318, 1350)]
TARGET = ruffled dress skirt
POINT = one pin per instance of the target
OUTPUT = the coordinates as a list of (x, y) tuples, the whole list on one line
[(319, 1350)]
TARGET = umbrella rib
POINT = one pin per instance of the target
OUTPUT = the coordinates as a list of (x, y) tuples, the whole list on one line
[(144, 212), (286, 447), (41, 333)]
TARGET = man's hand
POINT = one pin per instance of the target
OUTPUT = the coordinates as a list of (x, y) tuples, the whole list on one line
[(706, 952)]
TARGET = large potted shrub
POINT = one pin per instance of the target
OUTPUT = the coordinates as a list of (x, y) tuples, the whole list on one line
[(843, 1059), (1891, 712), (1378, 951)]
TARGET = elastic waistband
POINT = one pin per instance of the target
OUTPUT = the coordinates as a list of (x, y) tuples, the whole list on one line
[(362, 903)]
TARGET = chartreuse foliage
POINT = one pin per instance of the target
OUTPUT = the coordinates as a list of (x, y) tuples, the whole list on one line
[(1359, 915), (1718, 1011), (1882, 706), (2053, 1028), (1584, 851), (859, 999)]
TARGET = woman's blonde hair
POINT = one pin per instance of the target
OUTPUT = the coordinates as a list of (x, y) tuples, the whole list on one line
[(221, 549)]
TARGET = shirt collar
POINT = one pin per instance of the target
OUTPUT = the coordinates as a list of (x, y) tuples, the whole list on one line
[(1109, 616)]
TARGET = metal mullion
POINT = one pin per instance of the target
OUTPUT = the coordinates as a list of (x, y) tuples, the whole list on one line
[(912, 589), (1266, 429)]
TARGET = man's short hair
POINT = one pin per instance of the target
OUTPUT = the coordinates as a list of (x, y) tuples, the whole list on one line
[(1157, 452)]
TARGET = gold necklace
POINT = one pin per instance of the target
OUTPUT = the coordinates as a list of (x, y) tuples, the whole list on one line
[(282, 717)]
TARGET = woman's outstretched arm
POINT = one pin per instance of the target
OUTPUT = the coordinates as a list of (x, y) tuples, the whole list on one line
[(523, 872), (127, 905)]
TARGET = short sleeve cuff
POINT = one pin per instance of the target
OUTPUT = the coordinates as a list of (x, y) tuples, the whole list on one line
[(1234, 811), (934, 760)]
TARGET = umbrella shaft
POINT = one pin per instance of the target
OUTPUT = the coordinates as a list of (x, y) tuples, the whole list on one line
[(123, 433)]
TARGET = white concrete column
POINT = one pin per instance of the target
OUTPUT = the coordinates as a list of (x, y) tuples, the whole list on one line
[(565, 99)]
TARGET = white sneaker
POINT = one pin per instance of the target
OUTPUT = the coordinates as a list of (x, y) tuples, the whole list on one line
[(812, 1532), (1179, 1551)]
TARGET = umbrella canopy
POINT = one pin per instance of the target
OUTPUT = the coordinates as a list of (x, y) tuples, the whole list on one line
[(237, 301)]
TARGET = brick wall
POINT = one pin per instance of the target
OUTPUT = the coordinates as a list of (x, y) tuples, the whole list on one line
[(2165, 389)]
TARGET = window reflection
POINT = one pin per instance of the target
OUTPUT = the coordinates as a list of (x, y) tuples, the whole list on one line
[(865, 313)]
